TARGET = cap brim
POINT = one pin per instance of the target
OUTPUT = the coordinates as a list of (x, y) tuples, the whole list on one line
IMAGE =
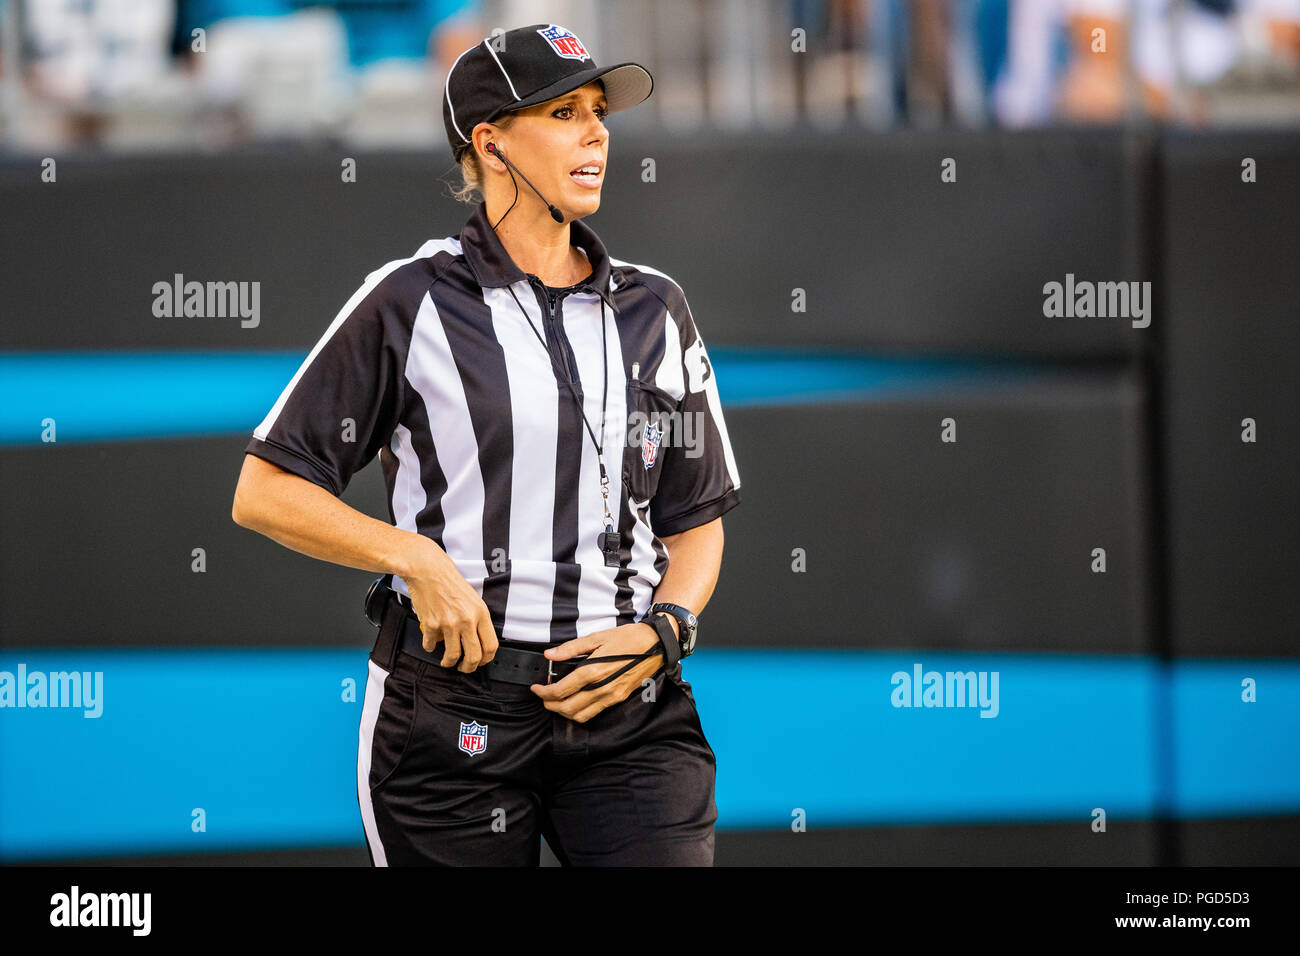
[(626, 85)]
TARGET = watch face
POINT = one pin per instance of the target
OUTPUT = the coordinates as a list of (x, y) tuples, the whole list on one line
[(688, 637)]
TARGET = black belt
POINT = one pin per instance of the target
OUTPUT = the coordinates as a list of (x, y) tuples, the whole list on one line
[(512, 663)]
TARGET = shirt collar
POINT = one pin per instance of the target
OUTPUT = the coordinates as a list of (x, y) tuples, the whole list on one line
[(493, 267)]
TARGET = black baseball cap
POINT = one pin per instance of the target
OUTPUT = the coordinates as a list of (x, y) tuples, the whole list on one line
[(524, 67)]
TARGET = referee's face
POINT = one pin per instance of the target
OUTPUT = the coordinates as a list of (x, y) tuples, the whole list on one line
[(552, 142)]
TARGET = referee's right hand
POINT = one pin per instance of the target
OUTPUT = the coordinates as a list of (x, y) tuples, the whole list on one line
[(451, 613)]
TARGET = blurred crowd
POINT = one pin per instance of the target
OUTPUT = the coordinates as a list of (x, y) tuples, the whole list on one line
[(214, 73)]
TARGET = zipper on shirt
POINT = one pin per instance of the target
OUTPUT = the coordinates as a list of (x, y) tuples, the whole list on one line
[(570, 360)]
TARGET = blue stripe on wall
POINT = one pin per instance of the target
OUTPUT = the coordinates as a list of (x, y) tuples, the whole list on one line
[(265, 744), (1230, 758), (108, 396)]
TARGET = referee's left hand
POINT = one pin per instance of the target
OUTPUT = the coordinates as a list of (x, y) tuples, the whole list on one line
[(566, 696)]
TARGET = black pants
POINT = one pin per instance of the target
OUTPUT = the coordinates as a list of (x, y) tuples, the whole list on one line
[(457, 769)]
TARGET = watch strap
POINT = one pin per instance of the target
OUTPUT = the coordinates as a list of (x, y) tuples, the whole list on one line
[(687, 623), (667, 637)]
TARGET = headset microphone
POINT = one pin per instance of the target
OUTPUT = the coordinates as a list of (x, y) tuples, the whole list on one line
[(555, 213)]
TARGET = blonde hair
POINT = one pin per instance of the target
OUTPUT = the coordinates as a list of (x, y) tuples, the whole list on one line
[(470, 187)]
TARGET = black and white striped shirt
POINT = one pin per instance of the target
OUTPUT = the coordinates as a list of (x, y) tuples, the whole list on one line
[(432, 366)]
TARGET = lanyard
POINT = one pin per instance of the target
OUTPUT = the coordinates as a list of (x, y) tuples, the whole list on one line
[(609, 541)]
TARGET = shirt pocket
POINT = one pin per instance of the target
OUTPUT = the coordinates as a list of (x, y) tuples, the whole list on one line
[(651, 413)]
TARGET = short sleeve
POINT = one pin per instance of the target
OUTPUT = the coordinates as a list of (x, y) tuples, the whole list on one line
[(342, 405), (700, 480)]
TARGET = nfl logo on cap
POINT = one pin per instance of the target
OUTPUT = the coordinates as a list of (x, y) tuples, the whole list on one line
[(473, 737), (564, 43)]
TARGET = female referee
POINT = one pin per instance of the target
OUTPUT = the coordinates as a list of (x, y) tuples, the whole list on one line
[(557, 465)]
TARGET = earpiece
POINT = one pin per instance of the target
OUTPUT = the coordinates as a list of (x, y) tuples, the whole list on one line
[(555, 213)]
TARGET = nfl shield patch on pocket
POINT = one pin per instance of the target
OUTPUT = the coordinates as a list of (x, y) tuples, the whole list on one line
[(650, 440), (473, 737)]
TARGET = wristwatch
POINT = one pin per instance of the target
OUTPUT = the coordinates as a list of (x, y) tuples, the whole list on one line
[(667, 636), (687, 622)]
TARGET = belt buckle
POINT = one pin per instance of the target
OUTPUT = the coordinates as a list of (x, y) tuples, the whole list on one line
[(550, 671)]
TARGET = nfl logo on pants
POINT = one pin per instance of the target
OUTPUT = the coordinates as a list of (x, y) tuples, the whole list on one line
[(473, 737)]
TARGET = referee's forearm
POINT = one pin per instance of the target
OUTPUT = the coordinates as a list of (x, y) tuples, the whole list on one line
[(308, 519), (694, 560)]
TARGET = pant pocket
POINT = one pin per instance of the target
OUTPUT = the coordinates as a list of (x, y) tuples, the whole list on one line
[(394, 729), (675, 675), (684, 688)]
